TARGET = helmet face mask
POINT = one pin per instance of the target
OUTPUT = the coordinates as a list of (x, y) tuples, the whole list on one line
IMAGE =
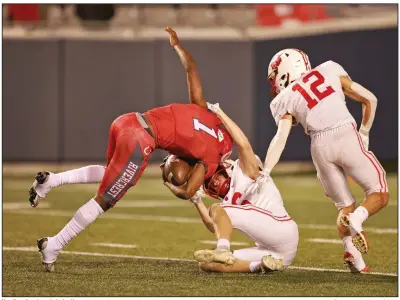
[(216, 188), (285, 67)]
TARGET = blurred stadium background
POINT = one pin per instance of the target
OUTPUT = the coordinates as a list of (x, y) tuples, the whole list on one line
[(70, 70)]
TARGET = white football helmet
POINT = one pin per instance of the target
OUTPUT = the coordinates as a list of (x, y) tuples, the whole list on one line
[(285, 67)]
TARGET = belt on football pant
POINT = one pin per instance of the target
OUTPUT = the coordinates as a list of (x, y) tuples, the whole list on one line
[(143, 123)]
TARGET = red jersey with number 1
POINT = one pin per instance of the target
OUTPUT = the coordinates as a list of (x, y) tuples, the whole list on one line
[(316, 100), (191, 131)]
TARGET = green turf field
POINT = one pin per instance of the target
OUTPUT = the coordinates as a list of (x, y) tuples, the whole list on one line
[(161, 226)]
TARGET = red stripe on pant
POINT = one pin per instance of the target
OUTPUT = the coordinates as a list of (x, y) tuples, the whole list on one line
[(265, 212), (383, 186)]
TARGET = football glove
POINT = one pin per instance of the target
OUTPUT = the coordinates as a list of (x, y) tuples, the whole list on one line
[(258, 183), (213, 107), (198, 196)]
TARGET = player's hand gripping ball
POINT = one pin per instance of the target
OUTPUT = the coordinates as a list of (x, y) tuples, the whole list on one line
[(176, 170)]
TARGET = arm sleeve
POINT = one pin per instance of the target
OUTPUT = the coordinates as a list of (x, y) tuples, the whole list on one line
[(277, 145)]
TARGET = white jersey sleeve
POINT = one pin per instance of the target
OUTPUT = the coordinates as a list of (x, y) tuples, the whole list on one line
[(269, 197), (334, 68), (315, 100)]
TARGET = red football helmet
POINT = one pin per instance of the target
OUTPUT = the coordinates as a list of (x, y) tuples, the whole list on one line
[(216, 188)]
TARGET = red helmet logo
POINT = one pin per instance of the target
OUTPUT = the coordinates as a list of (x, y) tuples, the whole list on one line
[(276, 63)]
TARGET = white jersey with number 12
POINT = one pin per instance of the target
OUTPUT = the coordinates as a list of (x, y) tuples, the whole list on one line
[(316, 100)]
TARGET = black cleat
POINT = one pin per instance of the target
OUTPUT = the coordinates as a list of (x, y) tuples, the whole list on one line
[(42, 243), (40, 178)]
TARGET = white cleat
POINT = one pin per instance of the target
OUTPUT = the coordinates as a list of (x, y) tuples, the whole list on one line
[(359, 238), (269, 264), (49, 255), (223, 256), (355, 263), (40, 188)]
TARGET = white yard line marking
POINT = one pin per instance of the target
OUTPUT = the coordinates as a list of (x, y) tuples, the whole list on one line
[(114, 245), (325, 241), (232, 243), (141, 217), (22, 205), (34, 249), (323, 200), (366, 229), (154, 203), (339, 271)]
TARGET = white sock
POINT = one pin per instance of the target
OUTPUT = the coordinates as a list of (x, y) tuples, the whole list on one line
[(83, 217), (361, 213), (255, 266), (223, 243), (89, 174), (348, 244)]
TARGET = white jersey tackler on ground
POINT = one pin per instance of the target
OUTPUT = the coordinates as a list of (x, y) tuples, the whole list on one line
[(262, 217)]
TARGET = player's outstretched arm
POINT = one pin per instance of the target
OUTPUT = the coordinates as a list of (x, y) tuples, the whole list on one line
[(357, 92), (278, 143), (274, 153), (205, 217), (192, 75), (248, 161), (189, 189)]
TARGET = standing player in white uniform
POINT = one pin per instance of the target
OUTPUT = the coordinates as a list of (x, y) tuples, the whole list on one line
[(262, 216), (315, 98)]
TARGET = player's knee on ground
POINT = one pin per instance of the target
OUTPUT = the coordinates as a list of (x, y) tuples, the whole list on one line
[(206, 267), (212, 267)]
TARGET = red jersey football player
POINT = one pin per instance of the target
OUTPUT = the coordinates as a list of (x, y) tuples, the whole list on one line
[(187, 130)]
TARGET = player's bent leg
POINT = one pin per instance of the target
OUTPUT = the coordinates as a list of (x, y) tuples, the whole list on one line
[(222, 225), (50, 247), (275, 235), (364, 168), (222, 256), (244, 266), (240, 266), (123, 172), (268, 260), (223, 232), (46, 181), (335, 185), (375, 201), (126, 166)]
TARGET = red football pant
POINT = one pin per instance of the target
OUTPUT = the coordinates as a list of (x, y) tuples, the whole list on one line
[(129, 147)]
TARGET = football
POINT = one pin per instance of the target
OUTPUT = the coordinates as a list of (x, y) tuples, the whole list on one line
[(176, 170)]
